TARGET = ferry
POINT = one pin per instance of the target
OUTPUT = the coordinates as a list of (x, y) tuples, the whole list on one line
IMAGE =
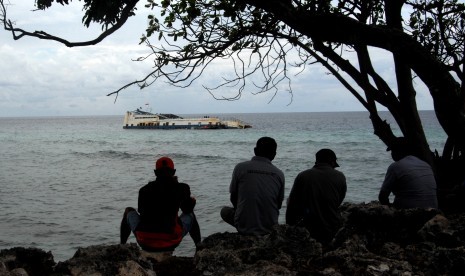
[(140, 119)]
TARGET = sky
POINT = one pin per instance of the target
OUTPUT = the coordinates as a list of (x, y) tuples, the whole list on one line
[(45, 78)]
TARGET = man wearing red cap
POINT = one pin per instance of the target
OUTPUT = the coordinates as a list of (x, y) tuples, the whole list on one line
[(156, 225), (316, 196)]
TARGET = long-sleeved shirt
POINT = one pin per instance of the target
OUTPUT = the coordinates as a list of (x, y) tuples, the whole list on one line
[(412, 182), (315, 199), (257, 192)]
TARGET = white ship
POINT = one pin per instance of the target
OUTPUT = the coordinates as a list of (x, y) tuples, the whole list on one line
[(139, 119)]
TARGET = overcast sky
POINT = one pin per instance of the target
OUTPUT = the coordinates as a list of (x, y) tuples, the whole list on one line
[(45, 78)]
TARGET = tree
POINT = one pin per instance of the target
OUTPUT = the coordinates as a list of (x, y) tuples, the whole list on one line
[(424, 38)]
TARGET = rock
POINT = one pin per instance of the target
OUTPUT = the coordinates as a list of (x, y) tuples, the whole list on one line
[(26, 261), (436, 230), (106, 260), (157, 256), (182, 266), (374, 240), (274, 254)]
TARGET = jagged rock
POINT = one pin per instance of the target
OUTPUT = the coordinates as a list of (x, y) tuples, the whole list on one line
[(182, 266), (26, 261), (106, 260), (374, 240), (274, 254), (408, 241), (354, 258), (379, 223), (437, 230)]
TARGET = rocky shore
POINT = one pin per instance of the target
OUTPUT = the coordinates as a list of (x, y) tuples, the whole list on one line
[(375, 240)]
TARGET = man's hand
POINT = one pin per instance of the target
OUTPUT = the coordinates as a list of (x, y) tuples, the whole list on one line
[(383, 197)]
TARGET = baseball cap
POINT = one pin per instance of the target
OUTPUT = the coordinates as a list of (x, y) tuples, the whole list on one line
[(326, 156), (164, 162)]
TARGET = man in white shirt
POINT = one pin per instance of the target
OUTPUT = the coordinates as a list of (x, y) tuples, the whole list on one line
[(257, 192)]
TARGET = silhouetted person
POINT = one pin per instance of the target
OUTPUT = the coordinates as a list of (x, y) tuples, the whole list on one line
[(316, 196), (409, 178), (257, 192), (156, 225)]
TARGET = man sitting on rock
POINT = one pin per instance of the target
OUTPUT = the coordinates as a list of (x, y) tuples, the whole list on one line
[(157, 226), (409, 178), (256, 192), (316, 196)]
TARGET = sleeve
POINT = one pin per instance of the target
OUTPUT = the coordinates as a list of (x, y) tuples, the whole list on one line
[(281, 191), (343, 190), (141, 201), (388, 184), (389, 180), (294, 212), (187, 203), (233, 188)]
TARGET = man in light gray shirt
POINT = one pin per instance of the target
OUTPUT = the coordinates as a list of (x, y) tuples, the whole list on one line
[(409, 178), (257, 192)]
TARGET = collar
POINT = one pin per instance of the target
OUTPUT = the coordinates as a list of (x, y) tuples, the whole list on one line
[(261, 159), (323, 165)]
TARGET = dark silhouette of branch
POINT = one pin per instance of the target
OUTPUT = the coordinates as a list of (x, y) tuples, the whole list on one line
[(19, 33)]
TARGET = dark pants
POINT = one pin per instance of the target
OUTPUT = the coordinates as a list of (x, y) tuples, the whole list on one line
[(131, 219)]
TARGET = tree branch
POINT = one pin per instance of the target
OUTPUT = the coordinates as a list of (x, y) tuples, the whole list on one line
[(19, 33)]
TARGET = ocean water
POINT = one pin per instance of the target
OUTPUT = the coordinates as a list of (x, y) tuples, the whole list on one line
[(65, 181)]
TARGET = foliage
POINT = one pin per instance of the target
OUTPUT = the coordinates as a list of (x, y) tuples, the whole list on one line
[(105, 13), (440, 27)]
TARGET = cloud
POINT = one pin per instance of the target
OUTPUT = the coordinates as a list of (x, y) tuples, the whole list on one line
[(41, 78)]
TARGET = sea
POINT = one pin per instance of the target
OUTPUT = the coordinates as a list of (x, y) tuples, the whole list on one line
[(65, 181)]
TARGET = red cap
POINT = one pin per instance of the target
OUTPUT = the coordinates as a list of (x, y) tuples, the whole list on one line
[(164, 162)]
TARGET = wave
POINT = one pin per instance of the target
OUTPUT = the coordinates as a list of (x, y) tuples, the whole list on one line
[(182, 156), (110, 154), (124, 155), (91, 142)]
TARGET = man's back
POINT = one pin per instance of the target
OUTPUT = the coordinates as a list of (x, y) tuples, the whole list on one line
[(156, 224), (259, 187), (159, 203), (412, 182), (315, 199)]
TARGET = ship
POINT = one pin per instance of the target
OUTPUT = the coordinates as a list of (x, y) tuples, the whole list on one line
[(139, 119)]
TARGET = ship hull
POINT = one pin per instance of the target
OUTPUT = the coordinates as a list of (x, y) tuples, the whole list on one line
[(144, 120), (179, 127)]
